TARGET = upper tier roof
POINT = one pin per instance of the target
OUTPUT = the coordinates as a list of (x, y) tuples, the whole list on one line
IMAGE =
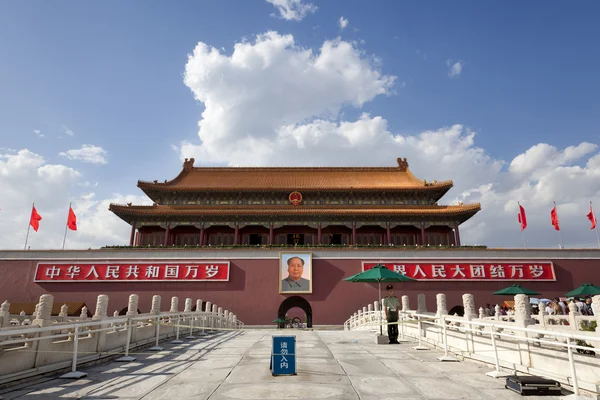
[(294, 178)]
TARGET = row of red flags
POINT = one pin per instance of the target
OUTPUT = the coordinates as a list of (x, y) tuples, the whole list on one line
[(522, 217), (35, 219)]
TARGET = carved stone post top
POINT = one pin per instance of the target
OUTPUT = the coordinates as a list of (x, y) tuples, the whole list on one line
[(174, 304), (596, 306), (573, 308), (64, 311), (421, 303), (220, 310), (440, 299), (370, 307), (44, 309), (469, 306), (84, 312), (5, 307), (116, 313), (214, 308), (155, 304), (199, 305), (364, 309), (132, 306), (101, 306)]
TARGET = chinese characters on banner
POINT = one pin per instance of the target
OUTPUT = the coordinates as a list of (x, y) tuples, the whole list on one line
[(131, 272), (471, 271)]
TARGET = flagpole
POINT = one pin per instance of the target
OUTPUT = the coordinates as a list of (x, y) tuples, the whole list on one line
[(522, 230), (596, 227), (66, 226), (562, 244), (28, 227)]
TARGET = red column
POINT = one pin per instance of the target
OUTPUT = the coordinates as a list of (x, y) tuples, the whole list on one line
[(202, 236), (132, 237), (354, 233), (319, 234), (166, 243), (457, 235), (422, 234), (389, 234), (235, 234), (271, 234)]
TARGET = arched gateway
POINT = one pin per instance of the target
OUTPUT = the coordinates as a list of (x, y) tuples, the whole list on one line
[(295, 301)]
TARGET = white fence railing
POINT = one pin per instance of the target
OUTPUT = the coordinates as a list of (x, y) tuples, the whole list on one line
[(45, 344), (526, 345)]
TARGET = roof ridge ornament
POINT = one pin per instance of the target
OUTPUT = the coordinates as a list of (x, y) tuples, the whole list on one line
[(188, 164), (402, 164)]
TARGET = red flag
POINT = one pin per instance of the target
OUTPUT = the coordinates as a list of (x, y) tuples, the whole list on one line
[(591, 217), (554, 218), (72, 220), (35, 219), (522, 217)]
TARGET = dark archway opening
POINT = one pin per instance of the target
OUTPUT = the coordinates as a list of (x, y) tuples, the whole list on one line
[(124, 311), (459, 310), (291, 302)]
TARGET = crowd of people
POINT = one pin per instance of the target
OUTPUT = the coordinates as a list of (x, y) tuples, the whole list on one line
[(551, 307)]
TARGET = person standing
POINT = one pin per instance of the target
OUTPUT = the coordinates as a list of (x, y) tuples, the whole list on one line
[(390, 305)]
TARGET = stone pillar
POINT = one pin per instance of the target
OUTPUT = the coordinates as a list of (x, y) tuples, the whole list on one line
[(101, 307), (199, 305), (469, 306), (132, 306), (214, 316), (482, 313), (421, 304), (456, 235), (405, 304), (389, 233), (166, 242), (542, 314), (497, 312), (376, 306), (64, 311), (155, 304), (174, 304), (188, 305), (523, 311), (573, 312), (44, 311), (234, 320), (370, 308), (271, 233), (442, 308), (220, 316), (4, 314), (132, 236)]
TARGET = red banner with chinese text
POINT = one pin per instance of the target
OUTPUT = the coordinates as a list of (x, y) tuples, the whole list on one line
[(471, 271), (185, 271)]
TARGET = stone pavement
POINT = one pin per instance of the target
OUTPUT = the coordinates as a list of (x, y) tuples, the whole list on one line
[(235, 365)]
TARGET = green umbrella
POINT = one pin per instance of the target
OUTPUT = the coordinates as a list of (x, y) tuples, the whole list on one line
[(379, 273), (280, 321), (587, 289), (515, 289)]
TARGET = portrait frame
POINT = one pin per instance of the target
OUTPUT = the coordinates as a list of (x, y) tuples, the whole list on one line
[(284, 282)]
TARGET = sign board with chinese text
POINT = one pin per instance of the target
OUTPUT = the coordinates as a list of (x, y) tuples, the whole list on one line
[(283, 355), (128, 271), (470, 270)]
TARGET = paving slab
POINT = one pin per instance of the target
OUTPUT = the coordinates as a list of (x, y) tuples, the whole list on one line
[(235, 365)]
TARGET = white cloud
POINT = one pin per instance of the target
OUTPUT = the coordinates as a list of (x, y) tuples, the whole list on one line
[(343, 23), (38, 133), (455, 68), (282, 107), (293, 10), (87, 153), (25, 177), (68, 131)]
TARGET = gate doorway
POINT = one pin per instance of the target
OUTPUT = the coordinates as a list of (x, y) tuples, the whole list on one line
[(292, 302)]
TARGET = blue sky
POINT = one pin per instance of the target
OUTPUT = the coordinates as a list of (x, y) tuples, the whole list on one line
[(113, 74)]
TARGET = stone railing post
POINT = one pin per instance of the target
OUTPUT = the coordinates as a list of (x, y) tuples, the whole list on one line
[(64, 313), (542, 316), (523, 311), (207, 319), (421, 304), (84, 313), (405, 303), (220, 316), (235, 321), (42, 319), (596, 310), (497, 313), (199, 305), (214, 316), (469, 306), (132, 306), (155, 304), (101, 313), (188, 305), (5, 314), (174, 304), (442, 308), (101, 307), (482, 313), (573, 313)]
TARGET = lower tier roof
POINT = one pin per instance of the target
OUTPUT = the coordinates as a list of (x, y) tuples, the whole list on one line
[(129, 213)]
